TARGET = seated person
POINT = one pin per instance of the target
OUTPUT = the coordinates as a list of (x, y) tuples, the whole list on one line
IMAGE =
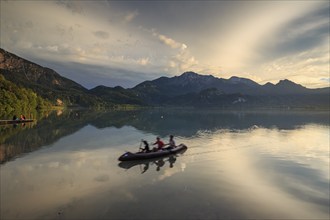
[(171, 143), (146, 147), (160, 144)]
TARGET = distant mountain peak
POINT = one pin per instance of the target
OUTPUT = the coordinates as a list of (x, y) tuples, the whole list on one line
[(234, 78), (190, 75), (286, 82), (240, 80)]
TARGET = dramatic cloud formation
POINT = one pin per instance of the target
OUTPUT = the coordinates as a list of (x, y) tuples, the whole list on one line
[(126, 42)]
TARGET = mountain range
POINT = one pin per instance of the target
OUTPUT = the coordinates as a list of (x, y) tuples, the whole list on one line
[(188, 89)]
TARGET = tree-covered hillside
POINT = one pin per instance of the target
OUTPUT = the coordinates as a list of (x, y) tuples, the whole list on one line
[(14, 99), (60, 91)]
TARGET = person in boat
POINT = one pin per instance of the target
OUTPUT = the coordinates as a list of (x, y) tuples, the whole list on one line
[(171, 143), (160, 144), (146, 148), (15, 118), (22, 117)]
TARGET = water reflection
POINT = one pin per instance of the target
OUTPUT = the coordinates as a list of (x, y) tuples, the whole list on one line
[(155, 163), (232, 170), (188, 122), (18, 140), (299, 180)]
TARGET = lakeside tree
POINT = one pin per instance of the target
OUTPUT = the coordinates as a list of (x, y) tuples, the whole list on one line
[(16, 100)]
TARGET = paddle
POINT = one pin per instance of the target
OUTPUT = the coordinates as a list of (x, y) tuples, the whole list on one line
[(140, 148)]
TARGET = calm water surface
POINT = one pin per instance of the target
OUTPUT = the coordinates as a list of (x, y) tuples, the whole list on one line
[(239, 165)]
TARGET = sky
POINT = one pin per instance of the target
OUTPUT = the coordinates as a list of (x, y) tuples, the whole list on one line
[(127, 42)]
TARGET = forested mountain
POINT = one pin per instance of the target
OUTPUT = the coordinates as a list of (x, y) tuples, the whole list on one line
[(188, 89), (192, 89), (117, 95), (45, 82), (190, 82)]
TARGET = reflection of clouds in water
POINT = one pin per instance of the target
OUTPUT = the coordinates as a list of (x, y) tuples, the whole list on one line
[(264, 172), (53, 178), (304, 145), (102, 178), (183, 166), (292, 178), (54, 164), (79, 158), (166, 173), (128, 195), (256, 192), (299, 180), (170, 172)]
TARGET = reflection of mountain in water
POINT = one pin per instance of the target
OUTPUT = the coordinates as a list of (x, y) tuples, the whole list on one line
[(15, 141), (187, 122)]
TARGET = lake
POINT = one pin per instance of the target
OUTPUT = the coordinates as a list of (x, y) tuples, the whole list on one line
[(238, 165)]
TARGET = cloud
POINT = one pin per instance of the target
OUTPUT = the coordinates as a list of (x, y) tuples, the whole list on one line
[(130, 16), (101, 34), (91, 75), (72, 6), (298, 50), (305, 68), (144, 61), (179, 59), (102, 178), (259, 40), (169, 41), (183, 47), (307, 31), (325, 79), (184, 61), (53, 48)]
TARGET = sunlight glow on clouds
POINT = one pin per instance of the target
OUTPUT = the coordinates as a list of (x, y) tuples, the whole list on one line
[(137, 41), (130, 16), (307, 67), (168, 41)]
